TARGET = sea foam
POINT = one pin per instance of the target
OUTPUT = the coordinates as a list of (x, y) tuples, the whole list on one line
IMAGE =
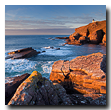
[(18, 65), (63, 51)]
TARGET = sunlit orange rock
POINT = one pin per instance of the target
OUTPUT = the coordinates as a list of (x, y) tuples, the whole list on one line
[(94, 31), (84, 72)]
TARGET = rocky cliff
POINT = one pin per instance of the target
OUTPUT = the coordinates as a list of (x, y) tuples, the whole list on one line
[(94, 33), (84, 74)]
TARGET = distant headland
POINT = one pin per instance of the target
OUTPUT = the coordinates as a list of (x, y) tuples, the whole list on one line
[(93, 33)]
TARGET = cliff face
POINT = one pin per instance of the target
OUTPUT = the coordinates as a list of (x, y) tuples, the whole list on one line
[(92, 33)]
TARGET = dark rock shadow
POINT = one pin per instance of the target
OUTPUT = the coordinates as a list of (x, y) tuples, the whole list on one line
[(103, 64), (68, 86)]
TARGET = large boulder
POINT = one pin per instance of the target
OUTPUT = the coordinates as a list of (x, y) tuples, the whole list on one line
[(83, 74), (37, 90)]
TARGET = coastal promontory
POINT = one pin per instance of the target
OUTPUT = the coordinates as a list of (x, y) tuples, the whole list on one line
[(93, 33)]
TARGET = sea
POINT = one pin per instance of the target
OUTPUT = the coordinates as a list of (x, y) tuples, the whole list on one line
[(42, 62)]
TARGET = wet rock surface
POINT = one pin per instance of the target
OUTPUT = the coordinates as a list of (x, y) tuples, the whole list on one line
[(22, 53)]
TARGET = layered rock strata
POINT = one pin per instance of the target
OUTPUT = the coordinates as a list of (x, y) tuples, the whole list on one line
[(84, 74), (22, 53), (93, 33), (37, 90)]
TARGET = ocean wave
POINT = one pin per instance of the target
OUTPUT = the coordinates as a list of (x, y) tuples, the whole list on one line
[(18, 65), (9, 79), (47, 67), (48, 47)]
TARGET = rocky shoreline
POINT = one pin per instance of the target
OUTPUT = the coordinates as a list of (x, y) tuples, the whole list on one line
[(93, 33), (81, 81)]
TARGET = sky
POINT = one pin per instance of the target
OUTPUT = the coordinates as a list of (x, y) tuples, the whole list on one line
[(50, 19)]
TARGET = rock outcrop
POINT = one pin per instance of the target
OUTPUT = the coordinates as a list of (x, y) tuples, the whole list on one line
[(62, 37), (10, 88), (94, 33), (22, 53), (83, 74), (37, 90)]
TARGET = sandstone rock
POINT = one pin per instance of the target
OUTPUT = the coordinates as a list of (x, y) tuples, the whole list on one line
[(84, 39), (96, 37), (74, 37), (37, 90), (57, 66), (10, 88), (83, 74), (103, 89), (85, 90), (65, 67), (82, 31), (104, 40), (22, 53)]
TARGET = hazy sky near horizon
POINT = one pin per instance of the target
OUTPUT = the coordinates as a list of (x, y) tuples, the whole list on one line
[(50, 19)]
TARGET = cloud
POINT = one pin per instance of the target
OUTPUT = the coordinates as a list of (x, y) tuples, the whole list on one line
[(25, 17), (58, 22), (66, 31), (13, 14), (36, 24)]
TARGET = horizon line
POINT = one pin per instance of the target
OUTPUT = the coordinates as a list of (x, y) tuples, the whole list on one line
[(34, 34)]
